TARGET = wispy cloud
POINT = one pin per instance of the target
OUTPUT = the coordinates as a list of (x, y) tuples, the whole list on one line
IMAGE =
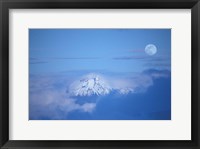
[(49, 100), (44, 60), (66, 58), (38, 62), (33, 60), (62, 58), (156, 59), (130, 57), (158, 64), (134, 84), (136, 51), (41, 60)]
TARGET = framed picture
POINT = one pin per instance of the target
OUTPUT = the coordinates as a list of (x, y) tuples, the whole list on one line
[(99, 74)]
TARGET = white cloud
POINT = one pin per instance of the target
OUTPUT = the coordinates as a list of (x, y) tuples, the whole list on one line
[(48, 100), (88, 107)]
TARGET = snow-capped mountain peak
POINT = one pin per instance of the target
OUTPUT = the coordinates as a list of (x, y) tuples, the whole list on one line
[(91, 84)]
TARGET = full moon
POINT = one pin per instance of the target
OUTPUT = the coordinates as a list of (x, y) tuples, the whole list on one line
[(150, 49)]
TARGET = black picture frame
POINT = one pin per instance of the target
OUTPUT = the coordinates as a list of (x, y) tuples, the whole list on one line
[(5, 5)]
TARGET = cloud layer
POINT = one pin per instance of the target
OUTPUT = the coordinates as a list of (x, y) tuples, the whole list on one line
[(50, 97)]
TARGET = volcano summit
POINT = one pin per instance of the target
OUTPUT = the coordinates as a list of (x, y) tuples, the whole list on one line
[(91, 84)]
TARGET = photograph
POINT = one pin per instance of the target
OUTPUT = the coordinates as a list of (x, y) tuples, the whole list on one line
[(99, 73)]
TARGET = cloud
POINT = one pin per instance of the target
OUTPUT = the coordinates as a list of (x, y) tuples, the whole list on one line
[(60, 58), (48, 98), (136, 51), (166, 64), (33, 60), (38, 62), (139, 82), (55, 105), (49, 101), (157, 73), (101, 85), (83, 58), (42, 60), (144, 57), (134, 84), (88, 107), (130, 57)]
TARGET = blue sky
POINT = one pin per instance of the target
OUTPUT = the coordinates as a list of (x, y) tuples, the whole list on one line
[(97, 49), (60, 57)]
